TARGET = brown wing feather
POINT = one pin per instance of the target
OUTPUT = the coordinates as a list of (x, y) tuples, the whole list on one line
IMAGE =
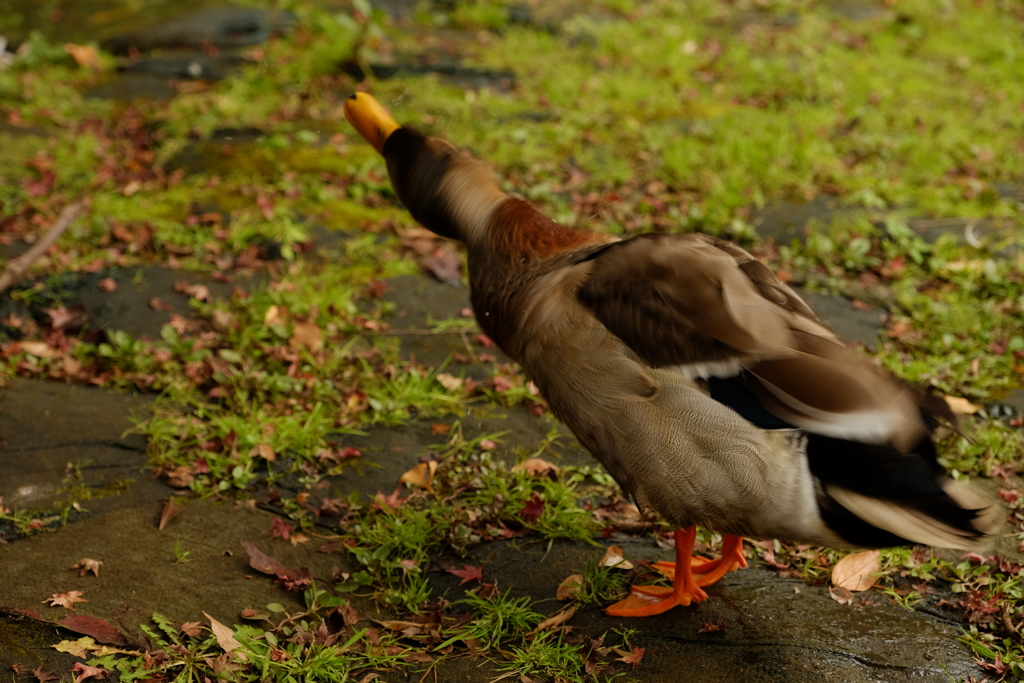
[(694, 300)]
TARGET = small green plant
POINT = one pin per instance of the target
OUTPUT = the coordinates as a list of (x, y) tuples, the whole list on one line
[(181, 556)]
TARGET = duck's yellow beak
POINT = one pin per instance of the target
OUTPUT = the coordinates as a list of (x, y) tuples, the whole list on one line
[(370, 118)]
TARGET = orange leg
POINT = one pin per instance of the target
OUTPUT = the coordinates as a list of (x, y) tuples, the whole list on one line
[(645, 601)]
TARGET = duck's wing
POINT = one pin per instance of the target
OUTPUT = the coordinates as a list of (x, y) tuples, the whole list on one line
[(710, 309)]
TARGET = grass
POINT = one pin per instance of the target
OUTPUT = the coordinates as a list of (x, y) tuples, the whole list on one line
[(892, 119)]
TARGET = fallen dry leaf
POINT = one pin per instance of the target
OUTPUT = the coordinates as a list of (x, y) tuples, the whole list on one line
[(171, 510), (79, 648), (854, 572), (449, 381), (421, 475), (556, 619), (273, 316), (444, 265), (40, 349), (68, 600), (961, 406), (108, 284), (633, 657), (844, 596), (307, 336), (99, 629), (570, 588), (538, 467), (614, 557), (86, 565), (85, 671), (225, 636), (191, 629), (84, 55), (44, 676), (468, 573), (264, 451)]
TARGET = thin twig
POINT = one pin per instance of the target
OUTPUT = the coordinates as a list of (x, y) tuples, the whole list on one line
[(17, 267), (412, 331)]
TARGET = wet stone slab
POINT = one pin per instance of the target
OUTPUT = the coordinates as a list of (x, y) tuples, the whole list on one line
[(64, 445)]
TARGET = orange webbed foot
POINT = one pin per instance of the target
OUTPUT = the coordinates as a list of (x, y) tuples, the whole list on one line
[(645, 601)]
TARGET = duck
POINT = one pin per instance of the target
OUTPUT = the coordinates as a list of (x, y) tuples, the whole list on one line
[(706, 387)]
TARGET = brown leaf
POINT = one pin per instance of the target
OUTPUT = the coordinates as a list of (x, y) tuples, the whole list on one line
[(171, 510), (844, 596), (225, 636), (449, 381), (421, 475), (959, 405), (85, 671), (191, 628), (44, 676), (632, 657), (556, 619), (68, 600), (468, 573), (538, 468), (108, 284), (264, 451), (419, 240), (614, 557), (712, 627), (307, 336), (40, 349), (85, 565), (273, 316), (444, 265), (854, 572), (84, 55), (99, 629), (349, 614), (570, 588)]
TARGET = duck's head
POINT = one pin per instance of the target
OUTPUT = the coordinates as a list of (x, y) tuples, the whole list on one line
[(446, 190)]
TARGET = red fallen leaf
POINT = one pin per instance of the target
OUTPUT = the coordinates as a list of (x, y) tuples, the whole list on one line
[(157, 305), (192, 629), (278, 529), (484, 341), (556, 619), (444, 265), (44, 676), (171, 510), (329, 547), (264, 563), (349, 614), (265, 205), (632, 657), (61, 317), (468, 573), (85, 671), (68, 600), (712, 628), (200, 292), (531, 512), (391, 502), (101, 630), (108, 284)]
